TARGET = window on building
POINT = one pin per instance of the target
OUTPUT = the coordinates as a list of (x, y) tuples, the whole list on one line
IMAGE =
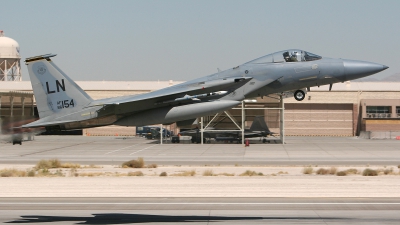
[(379, 111), (398, 109)]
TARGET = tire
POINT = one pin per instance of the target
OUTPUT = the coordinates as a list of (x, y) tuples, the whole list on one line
[(299, 95)]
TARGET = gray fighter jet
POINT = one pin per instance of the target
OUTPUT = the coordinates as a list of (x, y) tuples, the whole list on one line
[(63, 105), (257, 129)]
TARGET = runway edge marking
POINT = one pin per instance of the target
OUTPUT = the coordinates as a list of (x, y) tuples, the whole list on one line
[(204, 203), (143, 149)]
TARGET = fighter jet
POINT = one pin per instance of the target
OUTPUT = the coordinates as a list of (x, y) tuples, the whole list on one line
[(257, 129), (63, 105)]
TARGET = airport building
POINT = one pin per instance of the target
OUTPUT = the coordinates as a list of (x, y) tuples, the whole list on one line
[(348, 109)]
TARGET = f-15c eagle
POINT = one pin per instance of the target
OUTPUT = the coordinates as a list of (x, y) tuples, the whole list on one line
[(63, 105)]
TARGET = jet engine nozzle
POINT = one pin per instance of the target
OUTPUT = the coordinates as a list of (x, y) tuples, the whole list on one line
[(355, 69)]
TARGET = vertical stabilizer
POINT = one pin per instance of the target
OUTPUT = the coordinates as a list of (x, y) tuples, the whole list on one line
[(259, 124), (54, 91)]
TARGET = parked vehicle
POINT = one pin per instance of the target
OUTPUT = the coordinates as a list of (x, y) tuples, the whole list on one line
[(144, 130), (154, 133)]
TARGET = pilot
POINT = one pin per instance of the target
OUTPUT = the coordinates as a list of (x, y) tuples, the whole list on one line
[(293, 57), (286, 56)]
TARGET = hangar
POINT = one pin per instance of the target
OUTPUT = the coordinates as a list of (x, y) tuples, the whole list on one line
[(347, 110)]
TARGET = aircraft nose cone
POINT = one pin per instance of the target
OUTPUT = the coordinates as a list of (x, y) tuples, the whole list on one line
[(355, 69)]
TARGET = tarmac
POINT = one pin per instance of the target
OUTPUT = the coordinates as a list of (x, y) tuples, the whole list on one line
[(301, 199), (115, 150)]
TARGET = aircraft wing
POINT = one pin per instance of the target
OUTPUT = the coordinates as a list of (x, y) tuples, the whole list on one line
[(250, 134), (189, 132), (196, 132), (211, 134), (174, 95)]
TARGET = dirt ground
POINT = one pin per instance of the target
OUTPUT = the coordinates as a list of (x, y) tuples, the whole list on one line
[(223, 181)]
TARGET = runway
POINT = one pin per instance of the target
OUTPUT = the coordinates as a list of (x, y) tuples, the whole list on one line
[(204, 210), (203, 203), (296, 151), (200, 210)]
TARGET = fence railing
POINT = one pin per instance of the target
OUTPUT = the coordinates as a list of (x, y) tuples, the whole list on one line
[(380, 115)]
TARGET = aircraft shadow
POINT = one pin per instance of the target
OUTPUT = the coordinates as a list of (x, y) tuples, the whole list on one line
[(121, 218)]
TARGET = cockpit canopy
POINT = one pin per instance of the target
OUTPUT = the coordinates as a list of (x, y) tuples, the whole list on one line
[(293, 55)]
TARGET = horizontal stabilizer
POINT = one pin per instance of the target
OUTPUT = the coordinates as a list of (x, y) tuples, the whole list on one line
[(39, 123)]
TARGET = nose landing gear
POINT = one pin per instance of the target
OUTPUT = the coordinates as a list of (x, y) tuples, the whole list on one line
[(299, 95)]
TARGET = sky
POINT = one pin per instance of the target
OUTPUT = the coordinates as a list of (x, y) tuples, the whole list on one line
[(186, 39)]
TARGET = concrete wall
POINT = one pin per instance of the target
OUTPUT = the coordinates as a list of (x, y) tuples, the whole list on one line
[(381, 125), (319, 119), (110, 131)]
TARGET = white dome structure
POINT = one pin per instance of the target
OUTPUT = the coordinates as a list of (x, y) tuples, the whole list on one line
[(10, 66)]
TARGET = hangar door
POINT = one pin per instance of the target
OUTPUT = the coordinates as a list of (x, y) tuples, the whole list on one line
[(319, 119)]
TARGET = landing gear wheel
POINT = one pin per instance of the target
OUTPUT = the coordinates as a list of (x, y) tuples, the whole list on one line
[(299, 95)]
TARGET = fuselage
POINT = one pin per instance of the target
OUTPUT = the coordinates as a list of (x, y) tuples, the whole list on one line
[(269, 76), (289, 70)]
